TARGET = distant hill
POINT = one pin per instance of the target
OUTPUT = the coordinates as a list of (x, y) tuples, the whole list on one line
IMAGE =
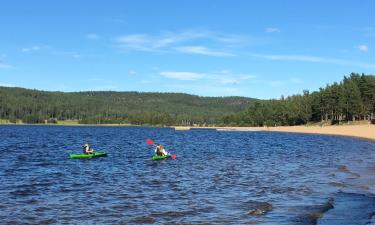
[(103, 107)]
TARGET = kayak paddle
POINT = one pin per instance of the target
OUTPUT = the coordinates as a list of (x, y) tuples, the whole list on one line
[(150, 142)]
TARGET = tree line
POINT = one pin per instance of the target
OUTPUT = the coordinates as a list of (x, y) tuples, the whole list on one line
[(352, 99), (107, 107)]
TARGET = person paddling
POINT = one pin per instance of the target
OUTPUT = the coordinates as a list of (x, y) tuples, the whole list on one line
[(86, 149), (160, 151)]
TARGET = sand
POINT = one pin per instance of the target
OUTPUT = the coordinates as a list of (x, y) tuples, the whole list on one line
[(362, 131)]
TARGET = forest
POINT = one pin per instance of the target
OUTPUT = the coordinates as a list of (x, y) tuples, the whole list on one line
[(352, 99), (97, 107)]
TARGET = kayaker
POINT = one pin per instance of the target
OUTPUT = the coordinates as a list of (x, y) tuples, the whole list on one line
[(87, 150), (159, 150)]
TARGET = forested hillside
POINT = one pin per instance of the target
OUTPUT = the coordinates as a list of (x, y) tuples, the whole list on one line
[(350, 100), (33, 106)]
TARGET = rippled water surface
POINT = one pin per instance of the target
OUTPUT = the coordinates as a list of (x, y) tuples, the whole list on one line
[(217, 178)]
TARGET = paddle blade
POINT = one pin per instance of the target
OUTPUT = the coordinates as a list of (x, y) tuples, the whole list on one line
[(149, 141), (173, 156)]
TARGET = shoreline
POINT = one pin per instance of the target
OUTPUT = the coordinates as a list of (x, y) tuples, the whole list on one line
[(365, 131)]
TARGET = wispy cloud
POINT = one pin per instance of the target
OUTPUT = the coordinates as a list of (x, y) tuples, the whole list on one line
[(202, 50), (276, 83), (273, 30), (7, 85), (182, 42), (313, 59), (32, 48), (132, 72), (224, 77), (140, 42), (4, 65), (92, 36), (185, 76), (295, 80), (68, 53), (227, 77), (362, 48)]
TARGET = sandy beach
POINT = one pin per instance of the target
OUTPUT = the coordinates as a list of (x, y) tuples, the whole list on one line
[(362, 131)]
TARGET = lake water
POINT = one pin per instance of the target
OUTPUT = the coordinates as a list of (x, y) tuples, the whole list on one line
[(217, 178)]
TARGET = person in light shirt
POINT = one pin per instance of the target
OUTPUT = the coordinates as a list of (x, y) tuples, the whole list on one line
[(160, 151), (86, 149)]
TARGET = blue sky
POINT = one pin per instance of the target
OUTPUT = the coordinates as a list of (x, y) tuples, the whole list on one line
[(261, 49)]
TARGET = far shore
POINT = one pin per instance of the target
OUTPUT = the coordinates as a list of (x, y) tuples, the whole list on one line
[(366, 131)]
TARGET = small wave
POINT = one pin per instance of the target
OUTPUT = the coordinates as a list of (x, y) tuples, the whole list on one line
[(260, 209), (337, 184), (355, 209), (310, 214), (143, 220), (175, 214)]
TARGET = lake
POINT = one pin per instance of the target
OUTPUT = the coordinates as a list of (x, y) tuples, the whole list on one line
[(218, 177)]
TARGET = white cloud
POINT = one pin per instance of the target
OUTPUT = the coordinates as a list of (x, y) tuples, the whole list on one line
[(214, 83), (145, 81), (276, 83), (33, 48), (132, 72), (295, 80), (69, 54), (227, 77), (92, 36), (5, 66), (172, 41), (314, 59), (221, 78), (184, 76), (362, 48), (273, 30), (136, 42), (229, 81), (202, 50), (147, 42), (7, 85)]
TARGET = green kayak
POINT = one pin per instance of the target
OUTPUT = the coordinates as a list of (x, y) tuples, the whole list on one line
[(87, 156), (159, 157)]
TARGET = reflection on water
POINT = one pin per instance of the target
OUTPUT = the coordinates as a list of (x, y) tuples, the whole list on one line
[(218, 177)]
